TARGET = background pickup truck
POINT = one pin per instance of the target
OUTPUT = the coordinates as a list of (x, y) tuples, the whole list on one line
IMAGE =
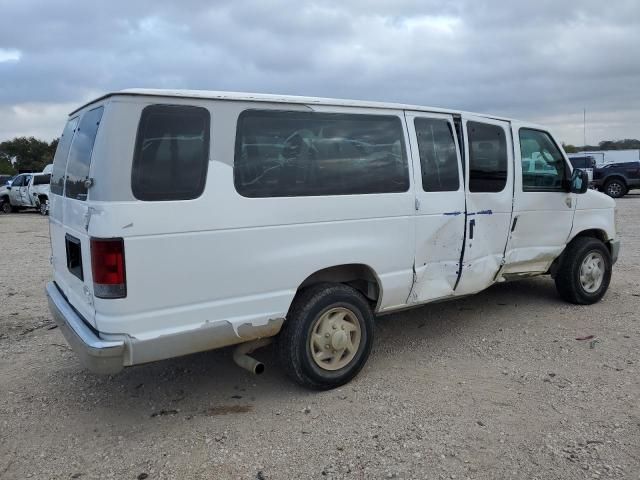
[(27, 190), (616, 179)]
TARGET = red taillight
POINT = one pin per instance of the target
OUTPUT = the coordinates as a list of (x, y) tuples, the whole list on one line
[(107, 265)]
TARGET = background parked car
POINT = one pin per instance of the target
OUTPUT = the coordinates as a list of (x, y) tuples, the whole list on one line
[(615, 172), (616, 179), (586, 163), (27, 190)]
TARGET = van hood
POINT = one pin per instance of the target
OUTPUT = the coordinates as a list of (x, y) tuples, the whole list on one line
[(592, 199)]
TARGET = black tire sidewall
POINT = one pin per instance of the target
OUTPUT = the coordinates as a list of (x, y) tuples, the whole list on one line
[(5, 207), (307, 307), (309, 366), (591, 297)]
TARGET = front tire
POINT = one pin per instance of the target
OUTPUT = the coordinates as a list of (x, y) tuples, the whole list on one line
[(585, 272), (615, 188), (5, 206), (327, 336)]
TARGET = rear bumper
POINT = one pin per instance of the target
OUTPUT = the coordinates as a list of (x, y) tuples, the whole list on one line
[(615, 250), (96, 354), (110, 356)]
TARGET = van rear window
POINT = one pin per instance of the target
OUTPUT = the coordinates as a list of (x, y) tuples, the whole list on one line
[(80, 154), (60, 158), (172, 153), (292, 153)]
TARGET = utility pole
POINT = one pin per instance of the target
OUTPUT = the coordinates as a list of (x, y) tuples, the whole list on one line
[(584, 127)]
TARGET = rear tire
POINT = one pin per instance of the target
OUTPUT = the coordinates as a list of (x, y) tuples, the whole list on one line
[(615, 188), (43, 208), (327, 336), (585, 272)]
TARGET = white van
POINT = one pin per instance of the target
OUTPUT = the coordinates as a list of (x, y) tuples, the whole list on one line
[(184, 221)]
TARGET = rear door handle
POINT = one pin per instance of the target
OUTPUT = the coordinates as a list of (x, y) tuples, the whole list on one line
[(472, 223)]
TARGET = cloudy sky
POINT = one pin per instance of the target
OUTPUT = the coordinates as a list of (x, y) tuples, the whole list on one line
[(539, 60)]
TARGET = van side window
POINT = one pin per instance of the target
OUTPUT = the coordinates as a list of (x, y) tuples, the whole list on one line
[(543, 166), (487, 157), (291, 153), (172, 153), (80, 154), (438, 157), (60, 158)]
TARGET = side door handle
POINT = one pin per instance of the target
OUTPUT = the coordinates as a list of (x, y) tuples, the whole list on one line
[(472, 223)]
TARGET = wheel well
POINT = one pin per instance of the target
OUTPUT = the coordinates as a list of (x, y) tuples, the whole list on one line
[(4, 198), (615, 177), (359, 276), (593, 233), (42, 196)]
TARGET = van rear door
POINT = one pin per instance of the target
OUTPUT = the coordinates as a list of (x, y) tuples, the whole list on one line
[(70, 212)]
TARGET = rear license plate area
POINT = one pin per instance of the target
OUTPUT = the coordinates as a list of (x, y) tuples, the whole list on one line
[(74, 256)]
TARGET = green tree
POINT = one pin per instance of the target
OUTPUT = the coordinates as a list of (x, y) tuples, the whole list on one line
[(27, 153), (569, 148), (6, 168)]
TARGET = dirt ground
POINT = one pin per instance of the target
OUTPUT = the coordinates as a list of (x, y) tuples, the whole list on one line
[(492, 386)]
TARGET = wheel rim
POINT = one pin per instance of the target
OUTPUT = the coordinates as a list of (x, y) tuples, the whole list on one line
[(592, 272), (335, 338), (43, 208), (6, 208), (614, 189)]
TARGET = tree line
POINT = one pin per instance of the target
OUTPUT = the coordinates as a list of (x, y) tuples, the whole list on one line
[(26, 154), (626, 144)]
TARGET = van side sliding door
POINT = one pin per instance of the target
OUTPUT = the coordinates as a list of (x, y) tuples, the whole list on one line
[(440, 205), (489, 197)]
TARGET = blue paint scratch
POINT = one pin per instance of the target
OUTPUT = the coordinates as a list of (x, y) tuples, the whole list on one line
[(452, 213), (481, 212)]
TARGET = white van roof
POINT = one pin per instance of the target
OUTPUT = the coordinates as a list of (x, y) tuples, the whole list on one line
[(273, 98)]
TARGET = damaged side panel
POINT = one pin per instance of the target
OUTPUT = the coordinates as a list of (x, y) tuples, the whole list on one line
[(440, 237), (208, 337)]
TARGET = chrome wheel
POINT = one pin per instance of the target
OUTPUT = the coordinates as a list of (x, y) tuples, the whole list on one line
[(614, 189), (592, 272), (335, 338)]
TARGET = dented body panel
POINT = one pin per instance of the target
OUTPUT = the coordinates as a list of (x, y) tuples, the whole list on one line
[(223, 268)]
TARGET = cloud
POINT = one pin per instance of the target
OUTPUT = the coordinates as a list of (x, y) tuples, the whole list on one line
[(9, 55), (543, 60)]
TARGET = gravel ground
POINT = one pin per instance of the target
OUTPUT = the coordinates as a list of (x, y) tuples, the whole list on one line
[(492, 386)]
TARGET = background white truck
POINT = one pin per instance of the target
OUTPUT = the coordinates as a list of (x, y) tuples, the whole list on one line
[(27, 190)]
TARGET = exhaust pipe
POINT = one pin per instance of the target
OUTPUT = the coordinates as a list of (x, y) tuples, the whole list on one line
[(242, 358)]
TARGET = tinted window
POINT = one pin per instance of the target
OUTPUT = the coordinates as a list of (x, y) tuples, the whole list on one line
[(172, 153), (41, 179), (487, 157), (18, 181), (80, 154), (543, 167), (438, 157), (282, 154), (60, 158)]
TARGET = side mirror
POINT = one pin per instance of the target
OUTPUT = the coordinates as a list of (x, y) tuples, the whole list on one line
[(579, 181), (8, 187)]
